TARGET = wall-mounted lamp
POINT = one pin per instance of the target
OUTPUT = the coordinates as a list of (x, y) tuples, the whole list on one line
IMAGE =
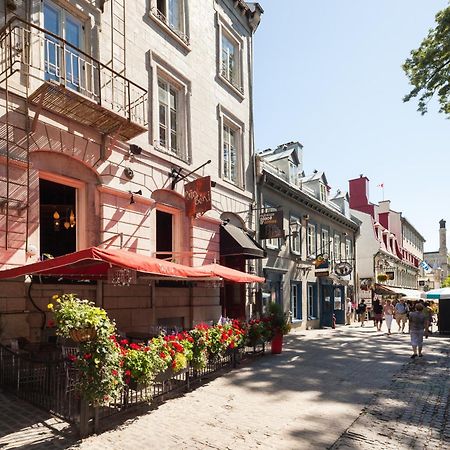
[(294, 228), (305, 217), (128, 173), (139, 192), (135, 149)]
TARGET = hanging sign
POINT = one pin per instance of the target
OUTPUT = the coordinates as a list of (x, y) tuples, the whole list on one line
[(321, 262), (271, 225), (343, 269), (197, 196)]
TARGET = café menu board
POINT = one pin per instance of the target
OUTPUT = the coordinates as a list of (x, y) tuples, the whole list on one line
[(197, 196), (271, 225)]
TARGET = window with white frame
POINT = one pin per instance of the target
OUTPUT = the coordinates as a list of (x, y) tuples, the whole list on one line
[(324, 241), (296, 301), (230, 152), (63, 24), (323, 192), (311, 240), (348, 249), (337, 247), (230, 51), (294, 231), (170, 117), (173, 13), (312, 301)]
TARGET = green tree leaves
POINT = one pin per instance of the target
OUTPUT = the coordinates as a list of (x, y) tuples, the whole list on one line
[(428, 67)]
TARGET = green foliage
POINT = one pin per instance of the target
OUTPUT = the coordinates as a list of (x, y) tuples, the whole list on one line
[(428, 67), (279, 320), (71, 313), (446, 282)]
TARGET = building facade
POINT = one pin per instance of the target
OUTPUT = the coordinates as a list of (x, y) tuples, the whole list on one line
[(310, 266), (390, 249), (107, 109)]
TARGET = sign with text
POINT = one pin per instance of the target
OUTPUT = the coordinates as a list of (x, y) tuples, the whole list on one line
[(271, 225), (197, 196)]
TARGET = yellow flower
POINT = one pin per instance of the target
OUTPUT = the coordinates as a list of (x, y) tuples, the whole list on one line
[(50, 306), (55, 297)]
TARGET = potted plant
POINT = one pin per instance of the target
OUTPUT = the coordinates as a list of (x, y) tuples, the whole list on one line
[(279, 324), (79, 319)]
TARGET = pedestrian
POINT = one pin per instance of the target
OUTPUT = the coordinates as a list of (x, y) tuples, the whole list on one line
[(348, 312), (388, 310), (362, 308), (418, 326), (401, 314), (429, 315), (377, 314)]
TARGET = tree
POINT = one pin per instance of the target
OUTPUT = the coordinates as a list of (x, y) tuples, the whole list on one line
[(446, 282), (428, 67)]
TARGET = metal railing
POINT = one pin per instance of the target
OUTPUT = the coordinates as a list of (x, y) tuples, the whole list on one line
[(44, 56), (46, 384), (51, 385)]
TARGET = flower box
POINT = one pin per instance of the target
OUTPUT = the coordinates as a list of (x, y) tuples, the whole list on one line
[(83, 334)]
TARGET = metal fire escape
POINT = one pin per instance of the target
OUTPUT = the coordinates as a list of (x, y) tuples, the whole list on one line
[(54, 76)]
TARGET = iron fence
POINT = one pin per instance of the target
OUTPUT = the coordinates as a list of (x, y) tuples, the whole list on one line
[(51, 385)]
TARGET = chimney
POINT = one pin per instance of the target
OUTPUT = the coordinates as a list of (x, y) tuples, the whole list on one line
[(359, 192)]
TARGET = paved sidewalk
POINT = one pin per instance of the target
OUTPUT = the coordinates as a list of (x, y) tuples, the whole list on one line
[(412, 412), (322, 384)]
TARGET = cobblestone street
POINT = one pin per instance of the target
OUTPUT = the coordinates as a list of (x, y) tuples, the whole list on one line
[(347, 388)]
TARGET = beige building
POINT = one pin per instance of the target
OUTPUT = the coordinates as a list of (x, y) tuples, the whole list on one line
[(106, 109)]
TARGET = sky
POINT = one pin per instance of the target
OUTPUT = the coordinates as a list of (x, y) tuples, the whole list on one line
[(328, 74)]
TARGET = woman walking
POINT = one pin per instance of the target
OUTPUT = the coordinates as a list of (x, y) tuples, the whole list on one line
[(388, 311), (418, 326)]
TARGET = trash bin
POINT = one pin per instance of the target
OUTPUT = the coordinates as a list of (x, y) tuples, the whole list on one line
[(444, 316)]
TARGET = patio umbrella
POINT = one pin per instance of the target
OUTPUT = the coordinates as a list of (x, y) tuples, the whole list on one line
[(438, 294)]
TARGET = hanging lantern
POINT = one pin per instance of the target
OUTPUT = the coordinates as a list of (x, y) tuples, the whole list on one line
[(56, 215)]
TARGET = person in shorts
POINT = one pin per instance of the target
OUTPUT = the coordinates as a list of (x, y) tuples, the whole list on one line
[(362, 308), (401, 314), (377, 314)]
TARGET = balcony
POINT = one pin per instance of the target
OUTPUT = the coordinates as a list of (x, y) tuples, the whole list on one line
[(64, 80)]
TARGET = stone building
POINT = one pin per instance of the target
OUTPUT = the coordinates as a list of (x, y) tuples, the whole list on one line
[(310, 264), (390, 248), (107, 107), (437, 261)]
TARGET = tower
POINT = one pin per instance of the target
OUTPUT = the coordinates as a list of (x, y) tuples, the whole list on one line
[(443, 252)]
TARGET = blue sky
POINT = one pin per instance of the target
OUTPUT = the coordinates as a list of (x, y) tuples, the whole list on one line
[(328, 74)]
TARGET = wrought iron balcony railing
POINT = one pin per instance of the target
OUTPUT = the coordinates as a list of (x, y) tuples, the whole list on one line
[(65, 80)]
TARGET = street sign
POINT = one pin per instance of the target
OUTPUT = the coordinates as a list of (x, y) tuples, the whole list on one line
[(197, 195), (271, 225), (343, 269)]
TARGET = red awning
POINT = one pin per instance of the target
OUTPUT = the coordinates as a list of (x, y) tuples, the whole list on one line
[(93, 263), (229, 274)]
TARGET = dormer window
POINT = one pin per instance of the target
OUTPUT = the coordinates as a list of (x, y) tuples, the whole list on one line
[(323, 193), (293, 173)]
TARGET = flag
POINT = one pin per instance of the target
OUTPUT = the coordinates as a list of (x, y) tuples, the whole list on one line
[(425, 266)]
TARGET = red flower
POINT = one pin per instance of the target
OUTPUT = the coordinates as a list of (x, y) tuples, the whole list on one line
[(162, 355), (124, 342), (87, 356), (50, 323), (114, 372), (231, 344), (134, 346), (128, 373), (174, 364), (71, 357)]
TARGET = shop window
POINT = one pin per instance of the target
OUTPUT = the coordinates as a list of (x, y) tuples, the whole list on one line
[(296, 301), (57, 219)]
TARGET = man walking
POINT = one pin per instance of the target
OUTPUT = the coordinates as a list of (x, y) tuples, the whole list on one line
[(348, 312), (401, 314), (362, 307)]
